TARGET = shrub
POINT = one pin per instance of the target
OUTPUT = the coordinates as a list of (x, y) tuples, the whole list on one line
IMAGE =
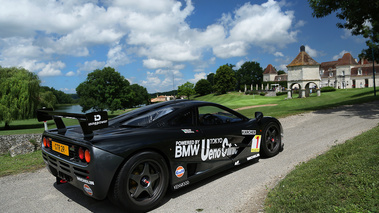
[(281, 93), (328, 89)]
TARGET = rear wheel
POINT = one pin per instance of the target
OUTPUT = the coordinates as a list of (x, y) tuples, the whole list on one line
[(142, 182), (271, 141)]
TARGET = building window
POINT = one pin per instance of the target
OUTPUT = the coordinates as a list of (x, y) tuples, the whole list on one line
[(343, 73), (331, 74), (321, 71), (360, 71)]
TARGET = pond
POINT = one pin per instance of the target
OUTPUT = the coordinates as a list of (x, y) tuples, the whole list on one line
[(70, 109)]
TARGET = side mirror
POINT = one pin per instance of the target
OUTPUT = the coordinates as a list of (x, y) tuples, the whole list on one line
[(258, 116)]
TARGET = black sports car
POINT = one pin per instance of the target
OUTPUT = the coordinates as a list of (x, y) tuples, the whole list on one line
[(135, 157)]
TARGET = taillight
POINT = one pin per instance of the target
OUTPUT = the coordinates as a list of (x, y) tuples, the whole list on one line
[(81, 153), (44, 142), (87, 156), (84, 154)]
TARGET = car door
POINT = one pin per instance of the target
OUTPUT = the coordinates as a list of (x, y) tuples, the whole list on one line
[(224, 139)]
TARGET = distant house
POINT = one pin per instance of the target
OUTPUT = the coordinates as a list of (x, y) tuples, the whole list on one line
[(162, 98), (270, 75), (346, 72), (305, 74)]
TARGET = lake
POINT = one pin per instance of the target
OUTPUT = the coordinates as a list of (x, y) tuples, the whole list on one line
[(70, 109)]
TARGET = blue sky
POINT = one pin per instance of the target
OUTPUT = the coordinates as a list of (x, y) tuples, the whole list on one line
[(161, 44)]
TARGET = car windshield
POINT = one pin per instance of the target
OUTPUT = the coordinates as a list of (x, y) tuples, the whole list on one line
[(148, 117)]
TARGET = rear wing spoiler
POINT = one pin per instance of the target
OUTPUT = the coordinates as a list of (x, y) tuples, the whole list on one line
[(88, 122)]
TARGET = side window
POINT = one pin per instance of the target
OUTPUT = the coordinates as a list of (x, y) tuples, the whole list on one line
[(184, 119), (212, 115)]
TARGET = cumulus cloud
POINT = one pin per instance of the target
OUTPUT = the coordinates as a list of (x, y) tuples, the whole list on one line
[(90, 66), (156, 32), (311, 52)]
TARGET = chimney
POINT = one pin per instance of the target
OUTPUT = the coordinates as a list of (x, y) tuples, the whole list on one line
[(302, 48)]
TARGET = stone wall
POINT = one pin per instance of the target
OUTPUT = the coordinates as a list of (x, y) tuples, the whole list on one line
[(19, 144)]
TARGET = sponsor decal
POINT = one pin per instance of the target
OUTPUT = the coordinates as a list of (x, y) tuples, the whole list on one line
[(256, 143), (252, 157), (179, 171), (188, 131), (90, 182), (249, 132), (237, 163), (208, 154), (191, 148), (97, 123), (88, 189), (180, 185), (187, 148), (97, 117)]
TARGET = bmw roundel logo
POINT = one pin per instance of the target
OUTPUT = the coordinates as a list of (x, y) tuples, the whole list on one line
[(179, 171)]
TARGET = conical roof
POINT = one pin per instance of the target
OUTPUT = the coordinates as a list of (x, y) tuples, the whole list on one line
[(303, 59), (270, 70)]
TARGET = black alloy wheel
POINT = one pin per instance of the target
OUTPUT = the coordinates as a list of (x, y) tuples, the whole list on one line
[(142, 182), (271, 141)]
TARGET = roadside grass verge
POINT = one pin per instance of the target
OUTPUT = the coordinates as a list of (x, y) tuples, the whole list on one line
[(21, 163), (344, 179)]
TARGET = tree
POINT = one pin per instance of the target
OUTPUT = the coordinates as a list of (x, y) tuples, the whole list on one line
[(203, 87), (361, 17), (225, 79), (281, 72), (187, 89), (105, 89), (61, 97), (141, 95), (250, 73), (19, 94)]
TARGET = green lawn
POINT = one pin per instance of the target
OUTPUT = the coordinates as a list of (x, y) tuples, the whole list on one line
[(345, 179)]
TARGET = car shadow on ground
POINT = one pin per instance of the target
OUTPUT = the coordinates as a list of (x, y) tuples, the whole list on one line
[(74, 194)]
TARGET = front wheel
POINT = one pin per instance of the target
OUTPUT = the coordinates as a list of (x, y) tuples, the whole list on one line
[(271, 141), (142, 182)]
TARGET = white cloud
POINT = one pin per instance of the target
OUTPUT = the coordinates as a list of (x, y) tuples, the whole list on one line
[(155, 64), (278, 54), (52, 69), (197, 77), (157, 32), (311, 52), (71, 73), (117, 57), (90, 66)]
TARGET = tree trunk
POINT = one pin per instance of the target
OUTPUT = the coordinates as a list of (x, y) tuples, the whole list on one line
[(7, 127)]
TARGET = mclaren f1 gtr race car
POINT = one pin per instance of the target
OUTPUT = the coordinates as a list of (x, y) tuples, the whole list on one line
[(135, 157)]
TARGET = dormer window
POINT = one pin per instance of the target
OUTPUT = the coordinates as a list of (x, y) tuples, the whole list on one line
[(331, 74), (360, 71), (321, 71)]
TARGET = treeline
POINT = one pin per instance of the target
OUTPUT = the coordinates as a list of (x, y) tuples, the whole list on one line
[(226, 79), (21, 93)]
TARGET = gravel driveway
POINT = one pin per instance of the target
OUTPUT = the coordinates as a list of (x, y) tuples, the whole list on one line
[(242, 189)]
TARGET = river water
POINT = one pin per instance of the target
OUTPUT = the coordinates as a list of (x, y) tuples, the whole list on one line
[(70, 109)]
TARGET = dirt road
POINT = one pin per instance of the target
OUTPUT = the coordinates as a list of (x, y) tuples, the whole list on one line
[(242, 189)]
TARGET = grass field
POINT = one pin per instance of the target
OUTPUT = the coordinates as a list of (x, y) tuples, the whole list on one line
[(345, 179)]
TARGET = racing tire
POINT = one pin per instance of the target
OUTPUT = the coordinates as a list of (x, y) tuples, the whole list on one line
[(142, 182), (271, 140)]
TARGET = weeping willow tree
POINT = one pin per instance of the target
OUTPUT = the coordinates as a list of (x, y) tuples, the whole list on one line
[(19, 94)]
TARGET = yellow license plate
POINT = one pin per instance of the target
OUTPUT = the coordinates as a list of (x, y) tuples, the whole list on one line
[(58, 147)]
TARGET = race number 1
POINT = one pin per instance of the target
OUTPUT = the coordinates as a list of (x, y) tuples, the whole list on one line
[(256, 143)]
